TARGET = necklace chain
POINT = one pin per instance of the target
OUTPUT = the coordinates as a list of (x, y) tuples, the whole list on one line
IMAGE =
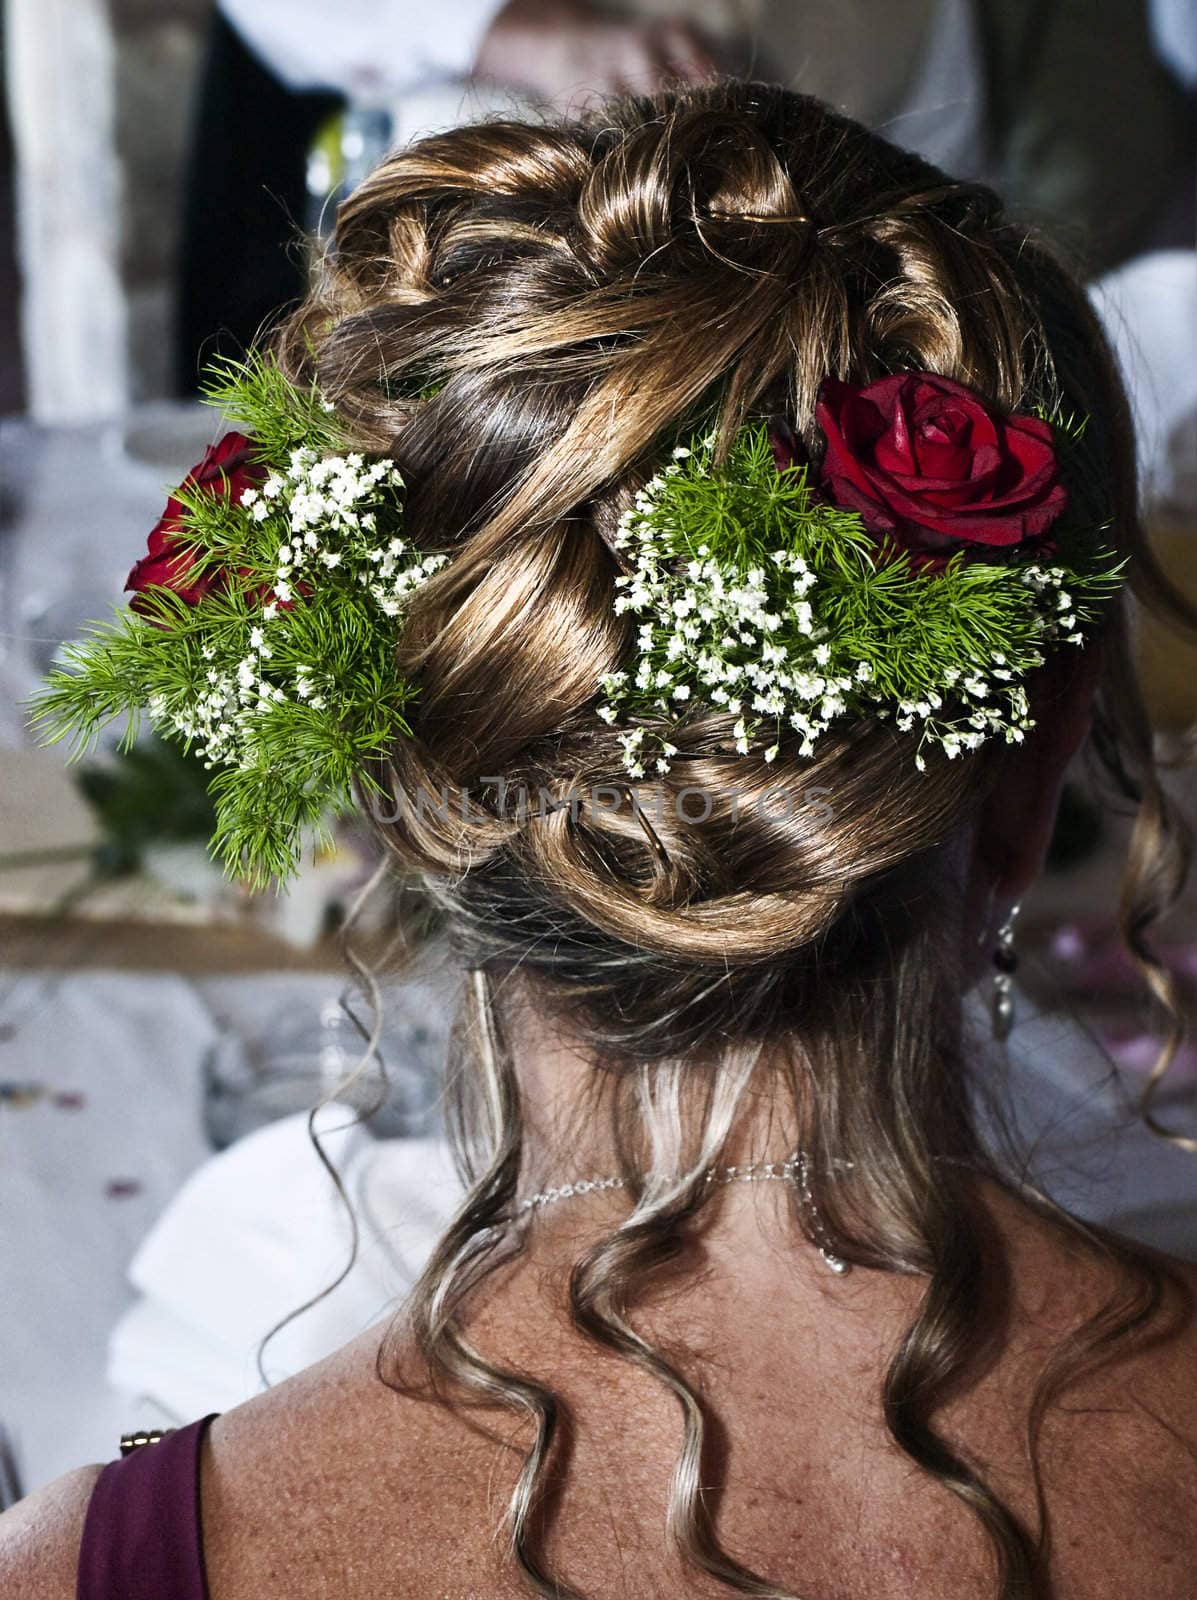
[(796, 1170)]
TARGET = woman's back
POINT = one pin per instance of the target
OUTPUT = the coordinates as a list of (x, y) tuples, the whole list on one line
[(332, 1484), (695, 534)]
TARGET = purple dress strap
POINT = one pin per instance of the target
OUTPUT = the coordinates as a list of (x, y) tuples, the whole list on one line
[(142, 1539)]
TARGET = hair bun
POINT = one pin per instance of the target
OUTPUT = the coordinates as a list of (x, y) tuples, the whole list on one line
[(696, 175)]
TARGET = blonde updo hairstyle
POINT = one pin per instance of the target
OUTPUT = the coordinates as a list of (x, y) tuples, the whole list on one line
[(519, 314)]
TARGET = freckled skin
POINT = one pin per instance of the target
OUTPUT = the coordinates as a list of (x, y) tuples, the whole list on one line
[(332, 1486)]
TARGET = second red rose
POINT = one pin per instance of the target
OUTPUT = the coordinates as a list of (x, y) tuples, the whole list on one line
[(928, 463), (170, 562)]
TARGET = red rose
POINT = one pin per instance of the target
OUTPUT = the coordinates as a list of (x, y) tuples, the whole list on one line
[(926, 462), (227, 469)]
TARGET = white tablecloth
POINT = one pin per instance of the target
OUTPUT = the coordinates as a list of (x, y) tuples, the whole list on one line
[(112, 1128), (80, 1187)]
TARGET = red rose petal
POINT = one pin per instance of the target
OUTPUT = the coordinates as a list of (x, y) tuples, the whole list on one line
[(952, 425), (943, 460), (228, 469), (894, 449)]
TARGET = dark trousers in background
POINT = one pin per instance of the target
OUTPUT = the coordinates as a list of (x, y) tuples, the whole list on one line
[(242, 250)]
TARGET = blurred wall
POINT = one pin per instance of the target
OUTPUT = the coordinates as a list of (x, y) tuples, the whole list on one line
[(100, 95)]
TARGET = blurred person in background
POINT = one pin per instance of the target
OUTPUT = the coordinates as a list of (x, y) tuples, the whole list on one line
[(1085, 129), (899, 1369)]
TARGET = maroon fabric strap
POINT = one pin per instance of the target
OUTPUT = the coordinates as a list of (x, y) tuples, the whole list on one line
[(142, 1539)]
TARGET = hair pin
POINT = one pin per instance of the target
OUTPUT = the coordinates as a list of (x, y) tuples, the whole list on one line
[(754, 216), (646, 827)]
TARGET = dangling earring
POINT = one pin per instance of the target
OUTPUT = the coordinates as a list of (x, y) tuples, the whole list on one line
[(1005, 963)]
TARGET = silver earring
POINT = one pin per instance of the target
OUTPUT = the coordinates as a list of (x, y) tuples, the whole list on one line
[(1005, 964)]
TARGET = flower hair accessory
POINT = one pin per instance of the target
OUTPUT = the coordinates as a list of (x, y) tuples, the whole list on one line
[(928, 464), (910, 579), (262, 627)]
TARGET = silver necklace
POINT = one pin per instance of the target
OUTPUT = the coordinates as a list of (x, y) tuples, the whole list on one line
[(795, 1170)]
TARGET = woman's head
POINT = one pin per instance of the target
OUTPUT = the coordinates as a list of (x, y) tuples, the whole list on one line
[(523, 316)]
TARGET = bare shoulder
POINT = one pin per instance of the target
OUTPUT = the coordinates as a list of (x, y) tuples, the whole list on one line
[(40, 1537), (1153, 1357), (1121, 1444), (1120, 1330), (334, 1471), (1162, 1371), (1119, 1438), (1140, 1311)]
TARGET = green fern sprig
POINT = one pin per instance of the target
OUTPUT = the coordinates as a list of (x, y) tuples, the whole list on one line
[(282, 675), (743, 564), (280, 416)]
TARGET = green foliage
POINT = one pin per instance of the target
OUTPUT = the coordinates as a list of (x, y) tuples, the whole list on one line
[(753, 593), (281, 679), (261, 401)]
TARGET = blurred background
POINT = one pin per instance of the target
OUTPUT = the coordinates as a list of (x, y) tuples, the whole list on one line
[(167, 168)]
